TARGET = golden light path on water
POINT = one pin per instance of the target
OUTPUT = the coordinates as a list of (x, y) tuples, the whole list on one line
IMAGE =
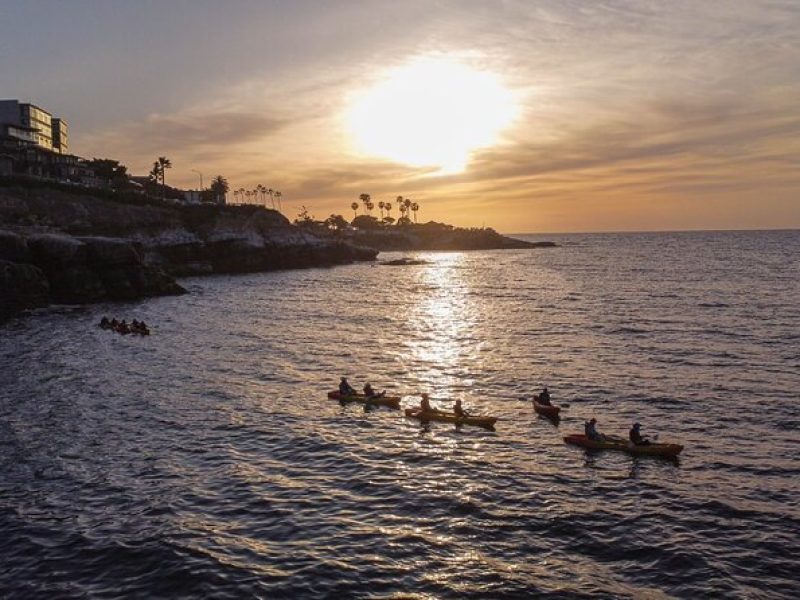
[(443, 312)]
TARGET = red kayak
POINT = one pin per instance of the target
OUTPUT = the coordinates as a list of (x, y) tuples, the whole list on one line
[(670, 450)]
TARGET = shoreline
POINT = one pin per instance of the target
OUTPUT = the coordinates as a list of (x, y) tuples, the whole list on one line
[(73, 247)]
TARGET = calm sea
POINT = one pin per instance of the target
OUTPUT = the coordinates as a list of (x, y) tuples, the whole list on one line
[(206, 461)]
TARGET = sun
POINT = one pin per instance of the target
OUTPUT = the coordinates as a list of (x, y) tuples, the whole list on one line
[(431, 112)]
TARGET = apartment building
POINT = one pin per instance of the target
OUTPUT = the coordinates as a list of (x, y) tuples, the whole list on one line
[(32, 124)]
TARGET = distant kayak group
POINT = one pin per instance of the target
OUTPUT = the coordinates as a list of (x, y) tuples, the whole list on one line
[(125, 328), (425, 412), (590, 439)]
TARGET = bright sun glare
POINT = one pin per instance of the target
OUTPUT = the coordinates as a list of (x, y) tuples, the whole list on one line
[(431, 112)]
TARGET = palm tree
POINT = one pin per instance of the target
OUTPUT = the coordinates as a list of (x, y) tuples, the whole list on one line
[(354, 206), (270, 191), (381, 206), (415, 208), (241, 195), (365, 200), (388, 207), (278, 195), (219, 186), (163, 164)]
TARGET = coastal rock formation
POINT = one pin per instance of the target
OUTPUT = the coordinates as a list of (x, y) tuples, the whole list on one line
[(89, 248), (22, 286), (439, 236), (57, 268)]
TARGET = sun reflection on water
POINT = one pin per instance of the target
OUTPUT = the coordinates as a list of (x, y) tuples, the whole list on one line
[(445, 323)]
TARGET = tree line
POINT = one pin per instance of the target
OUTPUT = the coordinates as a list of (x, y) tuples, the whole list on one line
[(406, 206)]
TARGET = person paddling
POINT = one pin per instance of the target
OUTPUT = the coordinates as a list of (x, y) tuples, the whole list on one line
[(425, 404), (345, 389), (590, 429), (635, 436), (544, 397), (458, 410), (371, 393)]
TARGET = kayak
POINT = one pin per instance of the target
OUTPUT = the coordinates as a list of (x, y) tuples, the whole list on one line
[(544, 409), (671, 450), (446, 417), (392, 401)]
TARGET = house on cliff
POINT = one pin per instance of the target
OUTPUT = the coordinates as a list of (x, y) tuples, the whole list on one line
[(35, 143)]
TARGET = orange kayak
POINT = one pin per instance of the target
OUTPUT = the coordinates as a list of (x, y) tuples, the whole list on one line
[(446, 417), (391, 401), (670, 450)]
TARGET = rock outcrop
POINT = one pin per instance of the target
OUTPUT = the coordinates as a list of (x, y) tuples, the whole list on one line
[(439, 236), (85, 248), (58, 268)]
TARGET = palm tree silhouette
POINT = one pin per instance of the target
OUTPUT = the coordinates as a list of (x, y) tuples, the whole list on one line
[(354, 206), (159, 169), (278, 195), (388, 207), (365, 199), (415, 208), (219, 186), (381, 206)]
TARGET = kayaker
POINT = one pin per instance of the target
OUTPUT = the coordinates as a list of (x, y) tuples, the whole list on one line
[(635, 436), (544, 397), (458, 410), (371, 393), (105, 323), (345, 389), (590, 429), (425, 404)]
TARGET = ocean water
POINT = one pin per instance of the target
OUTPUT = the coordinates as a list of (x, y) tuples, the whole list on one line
[(206, 461)]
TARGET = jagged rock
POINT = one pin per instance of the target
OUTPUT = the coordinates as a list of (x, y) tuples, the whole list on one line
[(106, 251), (136, 281), (22, 286), (13, 248), (76, 285), (51, 252), (399, 262)]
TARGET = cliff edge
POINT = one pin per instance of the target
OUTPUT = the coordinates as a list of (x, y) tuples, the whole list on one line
[(73, 247)]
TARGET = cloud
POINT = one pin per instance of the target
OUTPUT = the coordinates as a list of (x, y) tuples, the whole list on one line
[(195, 129)]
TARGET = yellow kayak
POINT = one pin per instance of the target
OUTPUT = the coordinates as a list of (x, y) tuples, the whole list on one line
[(446, 417), (391, 401)]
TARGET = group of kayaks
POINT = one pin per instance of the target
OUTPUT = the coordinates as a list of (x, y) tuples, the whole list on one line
[(487, 422), (417, 413), (608, 442)]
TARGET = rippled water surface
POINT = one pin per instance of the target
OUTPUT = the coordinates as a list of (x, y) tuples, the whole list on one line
[(206, 460)]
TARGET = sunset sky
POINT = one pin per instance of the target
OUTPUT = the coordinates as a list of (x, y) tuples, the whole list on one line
[(525, 116)]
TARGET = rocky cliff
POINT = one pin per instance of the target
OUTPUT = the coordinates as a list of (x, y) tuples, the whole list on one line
[(44, 268), (76, 247)]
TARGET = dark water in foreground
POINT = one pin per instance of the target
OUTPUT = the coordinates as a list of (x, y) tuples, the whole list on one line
[(206, 462)]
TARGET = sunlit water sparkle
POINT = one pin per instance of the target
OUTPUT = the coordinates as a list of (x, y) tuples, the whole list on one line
[(205, 460)]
